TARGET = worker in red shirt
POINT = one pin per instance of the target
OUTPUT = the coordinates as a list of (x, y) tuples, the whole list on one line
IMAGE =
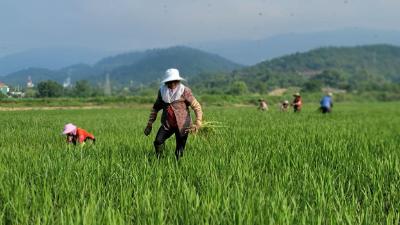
[(297, 102), (76, 134)]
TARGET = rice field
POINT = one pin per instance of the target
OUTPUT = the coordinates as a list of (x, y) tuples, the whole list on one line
[(259, 168)]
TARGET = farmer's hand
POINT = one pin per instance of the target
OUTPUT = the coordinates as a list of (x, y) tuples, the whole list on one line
[(69, 139), (194, 128), (147, 130)]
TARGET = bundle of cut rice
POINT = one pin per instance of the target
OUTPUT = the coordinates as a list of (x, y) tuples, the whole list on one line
[(208, 128)]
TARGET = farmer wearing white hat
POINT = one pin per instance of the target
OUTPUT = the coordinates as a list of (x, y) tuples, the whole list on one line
[(326, 103), (174, 99), (285, 106), (263, 106), (76, 134)]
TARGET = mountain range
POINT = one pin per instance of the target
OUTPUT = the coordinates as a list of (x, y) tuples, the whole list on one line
[(52, 58), (245, 52), (134, 67), (144, 67), (370, 67), (250, 52)]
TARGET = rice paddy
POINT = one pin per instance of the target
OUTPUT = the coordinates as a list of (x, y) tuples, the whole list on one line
[(253, 168)]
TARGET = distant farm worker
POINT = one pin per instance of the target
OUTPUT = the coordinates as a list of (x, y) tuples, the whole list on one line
[(174, 99), (285, 106), (297, 102), (326, 103), (263, 106), (76, 134)]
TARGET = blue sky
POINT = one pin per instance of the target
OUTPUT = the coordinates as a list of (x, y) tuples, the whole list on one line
[(134, 24)]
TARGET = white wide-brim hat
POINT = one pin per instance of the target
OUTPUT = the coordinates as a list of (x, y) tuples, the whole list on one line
[(171, 75)]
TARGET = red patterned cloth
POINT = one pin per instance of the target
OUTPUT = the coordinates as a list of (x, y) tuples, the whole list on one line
[(171, 118), (179, 108)]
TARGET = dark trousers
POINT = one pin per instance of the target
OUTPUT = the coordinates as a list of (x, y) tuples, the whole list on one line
[(163, 134), (325, 109), (74, 139), (296, 109)]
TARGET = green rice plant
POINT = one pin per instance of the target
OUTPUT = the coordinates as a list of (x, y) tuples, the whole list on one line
[(208, 128), (250, 168)]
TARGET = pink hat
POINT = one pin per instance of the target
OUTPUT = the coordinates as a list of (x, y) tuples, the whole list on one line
[(69, 128)]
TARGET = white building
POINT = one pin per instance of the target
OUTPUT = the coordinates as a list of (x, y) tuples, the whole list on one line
[(67, 82), (29, 84)]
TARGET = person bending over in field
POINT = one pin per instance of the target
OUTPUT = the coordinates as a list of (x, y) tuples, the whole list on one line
[(284, 106), (297, 102), (326, 103), (76, 134), (263, 106), (174, 99)]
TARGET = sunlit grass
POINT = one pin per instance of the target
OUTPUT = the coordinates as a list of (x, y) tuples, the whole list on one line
[(259, 168)]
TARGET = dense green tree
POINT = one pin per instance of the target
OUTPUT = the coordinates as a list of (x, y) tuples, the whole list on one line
[(331, 78), (30, 92), (82, 88), (49, 89), (261, 87), (238, 88), (312, 86), (2, 95)]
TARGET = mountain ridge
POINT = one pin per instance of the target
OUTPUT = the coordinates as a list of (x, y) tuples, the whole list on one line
[(250, 52), (369, 67), (139, 67)]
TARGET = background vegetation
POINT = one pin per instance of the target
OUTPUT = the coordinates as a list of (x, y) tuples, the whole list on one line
[(372, 71)]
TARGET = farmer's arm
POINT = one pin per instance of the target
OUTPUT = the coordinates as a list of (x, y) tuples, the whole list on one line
[(69, 138), (156, 107), (195, 105)]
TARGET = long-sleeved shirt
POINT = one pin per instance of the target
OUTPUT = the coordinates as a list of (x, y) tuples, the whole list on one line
[(326, 102), (263, 106), (297, 104), (180, 109), (80, 136)]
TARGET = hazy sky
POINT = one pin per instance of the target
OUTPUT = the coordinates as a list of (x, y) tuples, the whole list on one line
[(139, 24)]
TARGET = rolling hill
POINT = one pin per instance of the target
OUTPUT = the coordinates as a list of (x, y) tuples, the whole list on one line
[(250, 52), (189, 61), (371, 67), (53, 58), (37, 74), (381, 60), (137, 67)]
